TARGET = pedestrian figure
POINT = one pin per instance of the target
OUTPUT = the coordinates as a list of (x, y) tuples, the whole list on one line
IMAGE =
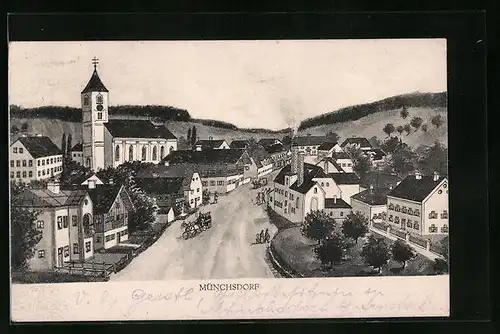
[(261, 237), (267, 236)]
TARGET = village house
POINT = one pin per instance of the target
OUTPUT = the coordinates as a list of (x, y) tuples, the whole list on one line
[(211, 144), (348, 184), (239, 144), (379, 179), (66, 223), (34, 158), (357, 142), (90, 180), (419, 205), (112, 205), (337, 208), (170, 184), (222, 180), (262, 159), (327, 149), (344, 160), (77, 153), (279, 155), (372, 203), (309, 145)]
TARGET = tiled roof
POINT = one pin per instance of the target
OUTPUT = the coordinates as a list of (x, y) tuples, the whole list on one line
[(341, 155), (210, 143), (268, 141), (77, 148), (379, 180), (137, 129), (103, 196), (326, 146), (95, 84), (361, 141), (309, 140), (310, 172), (345, 178), (229, 156), (376, 196), (221, 172), (275, 148), (239, 144), (415, 190), (168, 172), (333, 162), (153, 185), (338, 203), (40, 146), (45, 198)]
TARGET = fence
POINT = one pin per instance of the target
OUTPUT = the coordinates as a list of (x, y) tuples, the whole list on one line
[(380, 226), (437, 249), (398, 233), (418, 241), (94, 269)]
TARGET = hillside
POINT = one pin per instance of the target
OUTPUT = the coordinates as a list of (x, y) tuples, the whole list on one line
[(373, 124)]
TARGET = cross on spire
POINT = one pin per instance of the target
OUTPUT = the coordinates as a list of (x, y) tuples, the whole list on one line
[(95, 61)]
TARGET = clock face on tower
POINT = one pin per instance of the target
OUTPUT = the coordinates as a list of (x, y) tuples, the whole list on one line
[(99, 107)]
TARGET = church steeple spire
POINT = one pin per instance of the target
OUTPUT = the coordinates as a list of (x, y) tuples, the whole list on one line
[(95, 84), (95, 61)]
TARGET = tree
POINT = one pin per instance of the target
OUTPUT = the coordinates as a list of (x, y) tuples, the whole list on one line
[(437, 121), (416, 122), (388, 129), (68, 148), (14, 129), (189, 135), (375, 142), (440, 266), (400, 129), (390, 145), (375, 252), (332, 249), (333, 137), (424, 127), (401, 252), (24, 233), (194, 138), (404, 112), (24, 127), (407, 128), (355, 226), (317, 226), (434, 159), (402, 160)]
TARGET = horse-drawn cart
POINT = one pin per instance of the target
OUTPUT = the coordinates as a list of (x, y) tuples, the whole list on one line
[(193, 228)]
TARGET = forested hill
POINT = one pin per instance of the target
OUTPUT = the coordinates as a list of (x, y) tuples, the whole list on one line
[(352, 113)]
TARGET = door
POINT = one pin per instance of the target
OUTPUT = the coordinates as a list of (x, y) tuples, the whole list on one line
[(60, 259)]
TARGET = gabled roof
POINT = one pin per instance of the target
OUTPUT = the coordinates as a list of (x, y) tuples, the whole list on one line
[(376, 196), (327, 146), (78, 179), (345, 178), (309, 140), (310, 172), (39, 146), (137, 129), (275, 148), (103, 196), (210, 143), (415, 189), (229, 156), (239, 144), (379, 180), (77, 148), (45, 198), (333, 162), (338, 203), (161, 186), (361, 141), (168, 172), (268, 141), (95, 84)]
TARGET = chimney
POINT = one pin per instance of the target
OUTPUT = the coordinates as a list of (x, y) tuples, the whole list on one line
[(418, 175), (91, 184), (300, 169), (295, 159), (436, 176), (53, 186)]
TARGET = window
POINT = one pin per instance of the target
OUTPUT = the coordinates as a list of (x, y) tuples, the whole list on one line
[(220, 183), (291, 196), (432, 228), (391, 206), (21, 150), (162, 152), (398, 208), (297, 203), (43, 162), (39, 173), (12, 163), (87, 246), (315, 190), (117, 153), (404, 210), (403, 221), (30, 174), (75, 248), (197, 190), (322, 184), (130, 153), (39, 224), (415, 225), (98, 239), (144, 152), (86, 100), (24, 174), (74, 220), (51, 160), (328, 184), (43, 172), (51, 171), (444, 229), (30, 163), (212, 183), (18, 174), (204, 183), (410, 211), (47, 162), (409, 224), (417, 212), (433, 215), (396, 219), (14, 150), (286, 193), (343, 164), (18, 163), (41, 254), (66, 251), (391, 218), (341, 213), (192, 201), (99, 99), (374, 216), (155, 153), (444, 215), (65, 221), (38, 162), (99, 115)]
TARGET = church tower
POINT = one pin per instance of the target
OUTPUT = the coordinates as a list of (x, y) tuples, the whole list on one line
[(94, 100)]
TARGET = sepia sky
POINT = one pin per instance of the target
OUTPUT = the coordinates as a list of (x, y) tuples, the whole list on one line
[(272, 84)]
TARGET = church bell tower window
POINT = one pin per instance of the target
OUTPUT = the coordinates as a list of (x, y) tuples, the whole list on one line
[(99, 99)]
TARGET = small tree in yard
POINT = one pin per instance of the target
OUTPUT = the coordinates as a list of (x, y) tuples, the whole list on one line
[(401, 252), (317, 226), (24, 233), (355, 226), (404, 112), (437, 121), (407, 129), (400, 129), (388, 129), (332, 249), (416, 122), (375, 252)]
